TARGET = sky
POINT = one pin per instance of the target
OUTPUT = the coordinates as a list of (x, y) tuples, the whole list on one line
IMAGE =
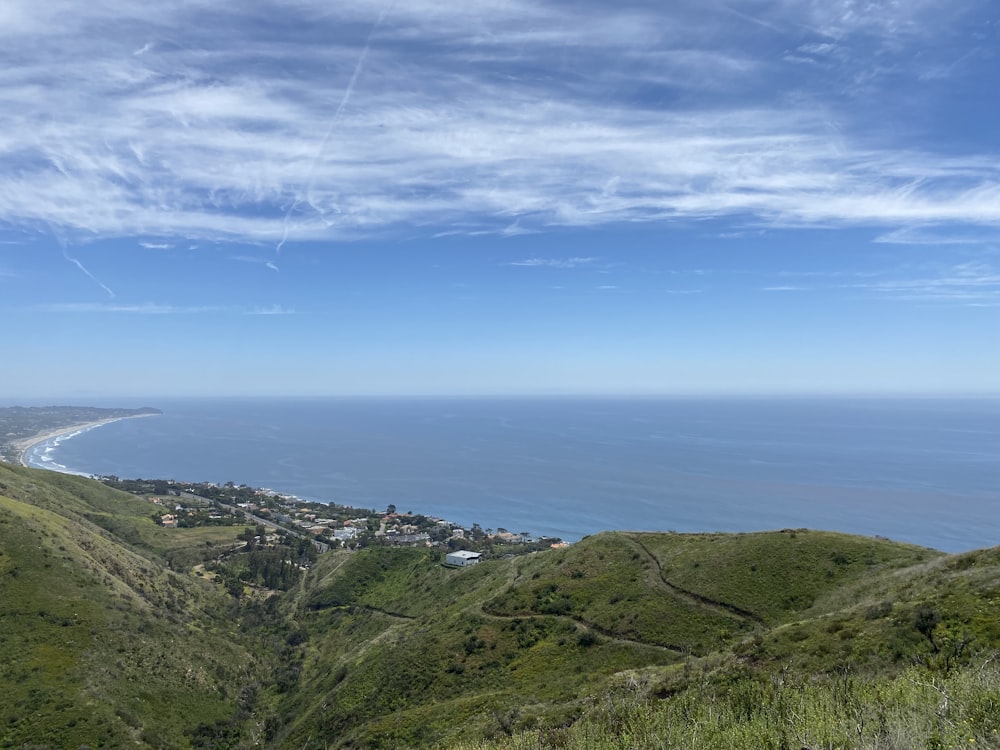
[(499, 197)]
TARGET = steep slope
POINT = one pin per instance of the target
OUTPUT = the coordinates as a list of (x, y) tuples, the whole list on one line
[(891, 655), (102, 645), (109, 638), (403, 651)]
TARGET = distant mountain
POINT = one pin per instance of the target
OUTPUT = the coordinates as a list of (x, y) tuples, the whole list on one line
[(117, 631)]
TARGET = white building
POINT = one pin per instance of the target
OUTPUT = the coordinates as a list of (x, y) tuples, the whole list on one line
[(462, 558)]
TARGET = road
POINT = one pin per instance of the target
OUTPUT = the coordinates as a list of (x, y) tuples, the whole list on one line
[(236, 510)]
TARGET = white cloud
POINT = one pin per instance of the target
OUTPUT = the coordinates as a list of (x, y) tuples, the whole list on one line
[(919, 235), (554, 262), (272, 310), (499, 117), (972, 283), (152, 308), (147, 308)]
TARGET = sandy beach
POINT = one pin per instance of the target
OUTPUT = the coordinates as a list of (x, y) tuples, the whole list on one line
[(24, 445)]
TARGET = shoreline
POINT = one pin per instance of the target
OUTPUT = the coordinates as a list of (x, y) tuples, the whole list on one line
[(26, 444)]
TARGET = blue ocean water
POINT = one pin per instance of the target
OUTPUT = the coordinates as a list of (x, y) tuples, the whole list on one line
[(923, 471)]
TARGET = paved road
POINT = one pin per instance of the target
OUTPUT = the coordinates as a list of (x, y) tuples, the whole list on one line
[(320, 546)]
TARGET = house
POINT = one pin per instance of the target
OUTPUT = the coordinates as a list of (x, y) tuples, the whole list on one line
[(462, 558), (409, 540), (169, 521)]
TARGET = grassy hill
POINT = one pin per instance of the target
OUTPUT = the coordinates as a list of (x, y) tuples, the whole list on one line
[(104, 645), (784, 639)]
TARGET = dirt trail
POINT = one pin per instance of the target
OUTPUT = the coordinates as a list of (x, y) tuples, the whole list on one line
[(705, 601)]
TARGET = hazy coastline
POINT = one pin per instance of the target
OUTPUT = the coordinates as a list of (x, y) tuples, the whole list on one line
[(25, 445), (916, 471)]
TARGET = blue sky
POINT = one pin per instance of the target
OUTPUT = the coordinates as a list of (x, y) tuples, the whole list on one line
[(363, 197)]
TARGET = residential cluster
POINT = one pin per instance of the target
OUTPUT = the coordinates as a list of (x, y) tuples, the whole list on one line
[(328, 525)]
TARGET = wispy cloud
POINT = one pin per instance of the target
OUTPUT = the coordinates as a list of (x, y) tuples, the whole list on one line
[(501, 117), (830, 274), (950, 235), (147, 308), (157, 245), (784, 288), (971, 283), (152, 308), (554, 262), (266, 262), (272, 310)]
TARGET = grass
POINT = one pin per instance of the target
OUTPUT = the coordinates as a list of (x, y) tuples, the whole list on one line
[(102, 644), (612, 586), (405, 651), (773, 575), (912, 710), (770, 640)]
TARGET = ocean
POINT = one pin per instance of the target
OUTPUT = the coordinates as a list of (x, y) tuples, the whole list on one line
[(925, 471)]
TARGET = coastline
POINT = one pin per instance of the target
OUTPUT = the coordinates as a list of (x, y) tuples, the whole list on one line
[(920, 477), (26, 444)]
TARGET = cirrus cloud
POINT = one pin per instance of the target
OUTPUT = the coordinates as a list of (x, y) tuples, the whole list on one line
[(186, 119)]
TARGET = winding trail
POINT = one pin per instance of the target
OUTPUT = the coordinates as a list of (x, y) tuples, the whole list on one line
[(714, 604), (387, 613), (515, 573), (584, 625)]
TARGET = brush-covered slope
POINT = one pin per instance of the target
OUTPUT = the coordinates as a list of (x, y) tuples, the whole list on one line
[(893, 648), (101, 644), (109, 637), (403, 651)]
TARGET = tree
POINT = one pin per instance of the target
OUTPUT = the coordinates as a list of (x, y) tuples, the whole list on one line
[(925, 619), (235, 587)]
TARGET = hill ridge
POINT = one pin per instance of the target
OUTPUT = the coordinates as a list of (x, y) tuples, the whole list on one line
[(124, 633)]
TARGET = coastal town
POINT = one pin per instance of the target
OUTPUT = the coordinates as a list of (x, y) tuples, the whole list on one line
[(327, 525), (282, 534)]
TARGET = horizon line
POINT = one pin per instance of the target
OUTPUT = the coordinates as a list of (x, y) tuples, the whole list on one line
[(68, 400)]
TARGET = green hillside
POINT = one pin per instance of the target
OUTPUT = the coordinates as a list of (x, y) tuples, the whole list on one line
[(113, 635), (104, 645)]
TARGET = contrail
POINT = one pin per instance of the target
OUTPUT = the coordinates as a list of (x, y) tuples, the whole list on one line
[(96, 280), (333, 123), (62, 244)]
